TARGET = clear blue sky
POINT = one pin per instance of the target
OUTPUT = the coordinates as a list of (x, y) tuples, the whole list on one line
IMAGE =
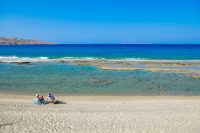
[(102, 21)]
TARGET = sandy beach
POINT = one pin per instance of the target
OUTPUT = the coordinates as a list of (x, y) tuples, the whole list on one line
[(103, 114)]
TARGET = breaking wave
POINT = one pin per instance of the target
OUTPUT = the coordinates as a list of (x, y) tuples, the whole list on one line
[(15, 59)]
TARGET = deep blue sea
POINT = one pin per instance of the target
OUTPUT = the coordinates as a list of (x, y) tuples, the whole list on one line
[(71, 79), (145, 51)]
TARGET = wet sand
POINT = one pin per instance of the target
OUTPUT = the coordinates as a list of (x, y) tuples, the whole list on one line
[(107, 114)]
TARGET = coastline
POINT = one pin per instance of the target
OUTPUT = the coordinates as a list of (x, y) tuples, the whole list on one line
[(153, 114), (27, 98), (20, 41), (24, 74)]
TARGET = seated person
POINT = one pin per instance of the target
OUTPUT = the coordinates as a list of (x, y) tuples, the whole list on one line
[(39, 100), (51, 98)]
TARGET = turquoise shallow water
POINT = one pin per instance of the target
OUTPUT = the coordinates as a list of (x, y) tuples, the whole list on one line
[(69, 79)]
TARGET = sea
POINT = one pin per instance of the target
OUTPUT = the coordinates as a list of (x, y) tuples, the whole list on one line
[(45, 74)]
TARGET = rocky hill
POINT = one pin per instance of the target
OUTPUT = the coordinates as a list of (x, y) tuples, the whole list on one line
[(18, 41)]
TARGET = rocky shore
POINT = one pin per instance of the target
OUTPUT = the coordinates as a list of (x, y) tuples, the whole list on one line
[(17, 41)]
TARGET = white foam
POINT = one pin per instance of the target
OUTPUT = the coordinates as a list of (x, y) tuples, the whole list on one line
[(12, 59)]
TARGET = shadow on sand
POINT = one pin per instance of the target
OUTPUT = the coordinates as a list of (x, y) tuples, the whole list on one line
[(59, 102)]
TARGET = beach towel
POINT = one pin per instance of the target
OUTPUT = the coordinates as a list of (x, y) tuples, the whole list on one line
[(36, 102)]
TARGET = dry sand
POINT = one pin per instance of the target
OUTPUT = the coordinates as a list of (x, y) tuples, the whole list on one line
[(103, 114)]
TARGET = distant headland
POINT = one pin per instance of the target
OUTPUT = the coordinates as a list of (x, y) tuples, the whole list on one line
[(18, 41)]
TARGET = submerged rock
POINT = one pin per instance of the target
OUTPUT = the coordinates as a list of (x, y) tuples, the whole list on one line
[(27, 63), (102, 82)]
